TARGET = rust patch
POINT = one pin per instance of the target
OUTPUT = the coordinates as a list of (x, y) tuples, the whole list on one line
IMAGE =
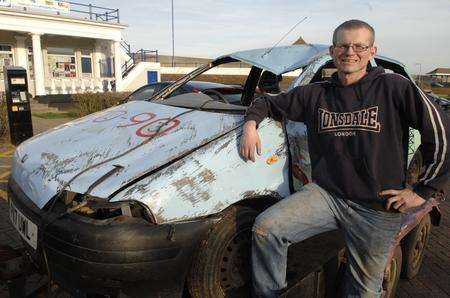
[(272, 159), (249, 194), (184, 182), (281, 150), (206, 176), (259, 193)]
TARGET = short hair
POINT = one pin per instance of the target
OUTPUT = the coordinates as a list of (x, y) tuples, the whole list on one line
[(353, 24)]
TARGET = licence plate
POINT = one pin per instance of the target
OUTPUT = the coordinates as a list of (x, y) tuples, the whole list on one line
[(26, 228)]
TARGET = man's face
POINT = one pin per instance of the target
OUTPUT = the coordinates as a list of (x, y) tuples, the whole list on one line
[(353, 50)]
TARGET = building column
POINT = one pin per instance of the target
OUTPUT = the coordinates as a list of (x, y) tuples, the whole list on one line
[(96, 56), (21, 51), (78, 63), (38, 63), (117, 66)]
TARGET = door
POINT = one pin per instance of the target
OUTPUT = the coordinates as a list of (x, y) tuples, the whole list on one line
[(152, 77)]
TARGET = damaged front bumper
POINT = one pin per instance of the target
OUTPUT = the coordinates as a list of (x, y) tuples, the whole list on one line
[(123, 253)]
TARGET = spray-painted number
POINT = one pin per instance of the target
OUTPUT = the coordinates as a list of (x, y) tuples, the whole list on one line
[(151, 127)]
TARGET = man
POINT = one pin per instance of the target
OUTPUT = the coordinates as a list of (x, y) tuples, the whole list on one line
[(358, 176)]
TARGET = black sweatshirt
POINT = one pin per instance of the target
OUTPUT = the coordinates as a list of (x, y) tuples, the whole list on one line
[(358, 134)]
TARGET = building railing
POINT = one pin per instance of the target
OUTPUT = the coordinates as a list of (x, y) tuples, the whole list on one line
[(78, 85), (138, 56), (94, 12)]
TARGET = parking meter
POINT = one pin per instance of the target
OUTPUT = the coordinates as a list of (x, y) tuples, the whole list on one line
[(18, 104)]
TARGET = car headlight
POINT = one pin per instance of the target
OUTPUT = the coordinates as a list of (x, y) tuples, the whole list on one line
[(101, 209)]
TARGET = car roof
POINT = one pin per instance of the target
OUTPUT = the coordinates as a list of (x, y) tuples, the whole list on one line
[(283, 59)]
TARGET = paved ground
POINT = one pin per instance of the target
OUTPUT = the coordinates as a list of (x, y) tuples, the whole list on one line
[(432, 281)]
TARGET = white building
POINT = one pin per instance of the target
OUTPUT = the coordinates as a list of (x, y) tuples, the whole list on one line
[(68, 47), (70, 50)]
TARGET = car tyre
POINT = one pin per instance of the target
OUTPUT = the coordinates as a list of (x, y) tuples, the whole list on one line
[(413, 246), (392, 276), (221, 267)]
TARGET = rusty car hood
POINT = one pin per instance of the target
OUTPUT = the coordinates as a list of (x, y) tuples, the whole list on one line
[(103, 152), (280, 60)]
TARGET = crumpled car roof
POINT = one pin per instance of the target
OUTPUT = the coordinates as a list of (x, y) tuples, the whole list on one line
[(283, 59)]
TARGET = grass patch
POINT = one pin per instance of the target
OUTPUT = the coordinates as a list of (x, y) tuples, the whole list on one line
[(51, 115)]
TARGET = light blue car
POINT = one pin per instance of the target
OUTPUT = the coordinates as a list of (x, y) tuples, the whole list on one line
[(153, 196)]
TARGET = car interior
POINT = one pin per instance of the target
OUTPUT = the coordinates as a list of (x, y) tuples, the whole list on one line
[(258, 81)]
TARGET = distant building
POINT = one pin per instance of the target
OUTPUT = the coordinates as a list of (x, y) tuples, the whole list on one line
[(440, 74), (65, 47), (300, 40)]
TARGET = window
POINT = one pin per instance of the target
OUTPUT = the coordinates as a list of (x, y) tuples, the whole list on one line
[(86, 63), (6, 57), (143, 94), (106, 68), (61, 62)]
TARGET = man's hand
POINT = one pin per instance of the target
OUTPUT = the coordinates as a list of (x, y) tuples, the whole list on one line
[(402, 200), (250, 141)]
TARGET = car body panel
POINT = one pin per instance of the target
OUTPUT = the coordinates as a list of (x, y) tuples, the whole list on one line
[(280, 60), (76, 155), (181, 174), (215, 177)]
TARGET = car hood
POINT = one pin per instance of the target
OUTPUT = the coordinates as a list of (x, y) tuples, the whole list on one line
[(280, 60), (103, 152)]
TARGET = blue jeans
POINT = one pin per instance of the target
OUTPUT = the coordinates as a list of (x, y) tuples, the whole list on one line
[(368, 233)]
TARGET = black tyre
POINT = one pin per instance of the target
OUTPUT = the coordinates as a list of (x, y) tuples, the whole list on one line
[(221, 267), (392, 276), (413, 246)]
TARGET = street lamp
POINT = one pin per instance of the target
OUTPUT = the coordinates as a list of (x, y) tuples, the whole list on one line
[(173, 40), (420, 73)]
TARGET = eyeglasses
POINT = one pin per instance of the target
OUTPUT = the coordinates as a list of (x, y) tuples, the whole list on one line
[(358, 48)]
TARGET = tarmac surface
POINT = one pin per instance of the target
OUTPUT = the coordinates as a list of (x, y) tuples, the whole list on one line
[(433, 279)]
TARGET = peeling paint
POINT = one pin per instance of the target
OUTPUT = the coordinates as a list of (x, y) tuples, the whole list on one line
[(116, 137), (206, 176)]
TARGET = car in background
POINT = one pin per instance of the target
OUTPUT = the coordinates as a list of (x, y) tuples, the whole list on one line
[(221, 92), (152, 196), (442, 102)]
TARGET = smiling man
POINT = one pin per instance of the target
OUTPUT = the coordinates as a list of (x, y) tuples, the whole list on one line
[(357, 136)]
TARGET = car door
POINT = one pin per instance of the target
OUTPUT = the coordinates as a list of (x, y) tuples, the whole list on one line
[(296, 132)]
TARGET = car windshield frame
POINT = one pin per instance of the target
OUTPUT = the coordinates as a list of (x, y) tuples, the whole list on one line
[(161, 95)]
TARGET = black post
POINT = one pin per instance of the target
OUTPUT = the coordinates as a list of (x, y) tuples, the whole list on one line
[(18, 104), (118, 19), (90, 11), (173, 39)]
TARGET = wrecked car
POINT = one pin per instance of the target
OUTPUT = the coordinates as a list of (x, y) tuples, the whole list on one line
[(153, 196)]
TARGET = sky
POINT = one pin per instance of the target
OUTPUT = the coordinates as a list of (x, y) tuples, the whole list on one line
[(415, 32)]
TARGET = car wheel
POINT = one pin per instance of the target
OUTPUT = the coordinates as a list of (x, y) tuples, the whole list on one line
[(413, 246), (221, 267), (392, 276)]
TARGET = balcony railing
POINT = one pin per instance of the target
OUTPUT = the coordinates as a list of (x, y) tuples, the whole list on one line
[(97, 13), (136, 57)]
